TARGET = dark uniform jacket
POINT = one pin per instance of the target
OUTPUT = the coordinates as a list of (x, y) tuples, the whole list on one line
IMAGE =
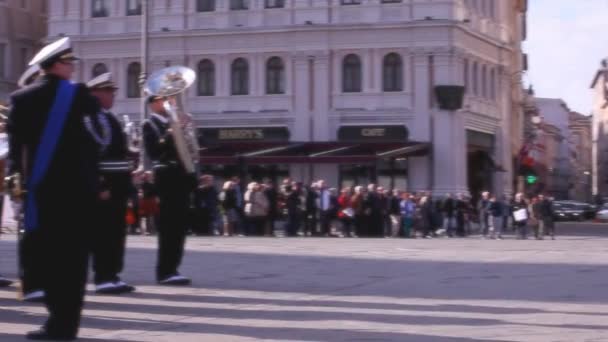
[(161, 149), (73, 170), (115, 166)]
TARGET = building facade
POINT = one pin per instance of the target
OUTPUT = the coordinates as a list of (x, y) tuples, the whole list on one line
[(23, 28), (599, 173), (328, 71), (555, 112), (581, 147)]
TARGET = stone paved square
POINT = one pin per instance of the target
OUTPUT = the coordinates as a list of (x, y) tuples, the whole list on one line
[(331, 289)]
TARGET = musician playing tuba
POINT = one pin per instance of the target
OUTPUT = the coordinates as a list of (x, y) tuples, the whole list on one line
[(168, 140)]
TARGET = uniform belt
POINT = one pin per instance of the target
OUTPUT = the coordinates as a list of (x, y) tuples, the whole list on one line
[(158, 165), (115, 166)]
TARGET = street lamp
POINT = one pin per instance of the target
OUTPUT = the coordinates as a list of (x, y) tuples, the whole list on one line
[(142, 78)]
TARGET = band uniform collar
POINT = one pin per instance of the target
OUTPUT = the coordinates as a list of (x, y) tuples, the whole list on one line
[(160, 118)]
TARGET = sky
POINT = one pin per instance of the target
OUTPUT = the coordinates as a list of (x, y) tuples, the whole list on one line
[(566, 41)]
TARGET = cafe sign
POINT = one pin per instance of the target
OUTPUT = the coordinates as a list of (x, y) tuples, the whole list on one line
[(235, 134), (373, 133)]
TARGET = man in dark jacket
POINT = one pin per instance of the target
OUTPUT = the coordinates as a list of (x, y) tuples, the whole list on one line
[(175, 185), (115, 167), (55, 153), (312, 210), (547, 214), (373, 206), (205, 206), (483, 210), (273, 206)]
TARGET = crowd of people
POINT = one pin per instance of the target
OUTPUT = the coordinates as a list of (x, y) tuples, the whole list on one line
[(258, 209)]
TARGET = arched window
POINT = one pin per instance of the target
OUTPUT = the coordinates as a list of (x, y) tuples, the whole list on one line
[(484, 82), (475, 79), (274, 4), (99, 8), (351, 74), (240, 77), (205, 5), (133, 73), (134, 7), (493, 84), (392, 72), (275, 76), (236, 5), (466, 77), (206, 78), (99, 69)]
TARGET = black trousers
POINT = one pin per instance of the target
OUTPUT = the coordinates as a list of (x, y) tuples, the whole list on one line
[(63, 257), (30, 271), (326, 217), (174, 188), (110, 238)]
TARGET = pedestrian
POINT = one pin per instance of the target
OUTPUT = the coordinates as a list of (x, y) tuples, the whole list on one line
[(483, 207), (506, 212), (116, 186), (521, 215), (148, 200), (294, 207), (325, 207), (346, 213), (394, 211), (311, 213), (50, 144), (272, 196), (496, 218), (449, 208), (461, 214), (229, 207), (205, 206), (535, 220), (256, 209), (359, 209), (548, 216), (407, 209)]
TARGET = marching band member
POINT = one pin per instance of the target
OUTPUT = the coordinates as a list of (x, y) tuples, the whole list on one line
[(51, 149), (174, 186), (111, 231), (29, 273)]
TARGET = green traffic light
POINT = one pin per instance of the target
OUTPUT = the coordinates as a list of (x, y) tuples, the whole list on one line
[(531, 179)]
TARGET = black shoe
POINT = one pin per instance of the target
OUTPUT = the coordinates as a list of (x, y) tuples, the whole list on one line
[(176, 280), (5, 282), (36, 296), (44, 335), (122, 287)]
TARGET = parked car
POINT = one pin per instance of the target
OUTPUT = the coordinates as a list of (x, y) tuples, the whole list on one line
[(589, 209), (566, 211), (602, 214)]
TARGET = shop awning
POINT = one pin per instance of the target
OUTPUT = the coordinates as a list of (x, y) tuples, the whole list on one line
[(333, 152)]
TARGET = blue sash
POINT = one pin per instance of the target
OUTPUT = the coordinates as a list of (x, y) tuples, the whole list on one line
[(46, 149)]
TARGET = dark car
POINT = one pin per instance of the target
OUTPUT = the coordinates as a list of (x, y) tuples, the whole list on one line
[(567, 211), (589, 210)]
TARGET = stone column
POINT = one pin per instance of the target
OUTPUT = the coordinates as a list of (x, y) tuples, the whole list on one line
[(419, 168), (301, 97), (449, 138), (506, 137), (322, 92)]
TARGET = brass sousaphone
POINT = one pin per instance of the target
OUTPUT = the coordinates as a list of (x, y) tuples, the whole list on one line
[(171, 83)]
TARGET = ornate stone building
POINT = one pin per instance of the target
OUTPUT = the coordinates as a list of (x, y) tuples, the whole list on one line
[(338, 89), (23, 27), (581, 147), (599, 152)]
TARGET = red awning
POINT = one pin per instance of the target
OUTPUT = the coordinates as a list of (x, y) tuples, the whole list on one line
[(309, 152)]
